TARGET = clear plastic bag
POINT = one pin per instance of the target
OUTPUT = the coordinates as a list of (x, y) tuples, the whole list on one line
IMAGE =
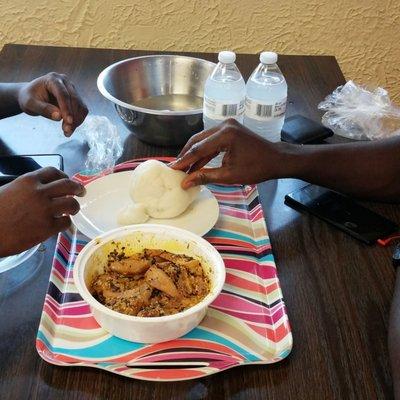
[(355, 112), (105, 144)]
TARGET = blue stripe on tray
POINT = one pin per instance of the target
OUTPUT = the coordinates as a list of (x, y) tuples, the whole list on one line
[(110, 347), (202, 334), (113, 346), (231, 235)]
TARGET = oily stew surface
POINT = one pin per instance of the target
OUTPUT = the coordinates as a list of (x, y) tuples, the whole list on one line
[(152, 283)]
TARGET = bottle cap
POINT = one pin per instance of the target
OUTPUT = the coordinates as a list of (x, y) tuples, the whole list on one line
[(268, 57), (226, 57)]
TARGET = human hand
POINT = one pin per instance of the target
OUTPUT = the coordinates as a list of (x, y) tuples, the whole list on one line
[(248, 158), (34, 207), (53, 96)]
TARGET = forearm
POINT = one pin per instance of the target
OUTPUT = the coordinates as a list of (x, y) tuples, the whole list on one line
[(9, 105), (365, 169), (394, 338)]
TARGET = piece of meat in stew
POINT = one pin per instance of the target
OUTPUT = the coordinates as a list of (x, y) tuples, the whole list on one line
[(152, 283)]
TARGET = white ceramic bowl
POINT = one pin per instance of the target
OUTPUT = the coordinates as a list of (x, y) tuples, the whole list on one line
[(93, 258)]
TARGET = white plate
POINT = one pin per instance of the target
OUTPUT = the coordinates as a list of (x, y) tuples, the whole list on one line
[(106, 196), (7, 263)]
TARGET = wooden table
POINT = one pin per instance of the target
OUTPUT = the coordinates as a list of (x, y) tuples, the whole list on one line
[(337, 291)]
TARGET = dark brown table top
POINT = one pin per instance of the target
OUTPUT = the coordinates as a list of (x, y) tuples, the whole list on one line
[(337, 291)]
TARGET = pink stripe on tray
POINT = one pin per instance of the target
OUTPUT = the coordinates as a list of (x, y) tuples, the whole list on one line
[(244, 283), (69, 257), (186, 356), (168, 374), (74, 308), (274, 335), (241, 214), (82, 311), (61, 270), (232, 242), (179, 344), (51, 357), (262, 271), (258, 250), (251, 317), (231, 302), (74, 322)]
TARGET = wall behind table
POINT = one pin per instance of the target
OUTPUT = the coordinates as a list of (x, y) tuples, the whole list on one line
[(364, 35)]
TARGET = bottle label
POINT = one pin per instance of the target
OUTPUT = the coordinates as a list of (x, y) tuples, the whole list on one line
[(263, 111), (222, 110)]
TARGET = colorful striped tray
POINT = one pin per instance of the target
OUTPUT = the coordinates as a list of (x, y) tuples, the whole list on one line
[(247, 323)]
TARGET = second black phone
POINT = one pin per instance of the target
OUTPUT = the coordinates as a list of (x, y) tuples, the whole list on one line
[(342, 212)]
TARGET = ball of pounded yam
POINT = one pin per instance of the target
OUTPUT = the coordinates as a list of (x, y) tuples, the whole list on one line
[(158, 188), (132, 214)]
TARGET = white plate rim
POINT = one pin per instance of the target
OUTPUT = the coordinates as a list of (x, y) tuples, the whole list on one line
[(20, 258)]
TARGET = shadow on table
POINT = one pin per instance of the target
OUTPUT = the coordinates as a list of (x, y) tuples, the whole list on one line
[(133, 146), (75, 151), (18, 277)]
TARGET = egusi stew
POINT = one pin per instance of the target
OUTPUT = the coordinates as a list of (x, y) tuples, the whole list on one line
[(152, 283)]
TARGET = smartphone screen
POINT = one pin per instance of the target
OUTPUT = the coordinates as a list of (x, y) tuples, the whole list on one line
[(342, 212), (19, 165)]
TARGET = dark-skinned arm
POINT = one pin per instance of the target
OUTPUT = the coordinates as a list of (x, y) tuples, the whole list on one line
[(9, 105), (52, 96), (369, 170)]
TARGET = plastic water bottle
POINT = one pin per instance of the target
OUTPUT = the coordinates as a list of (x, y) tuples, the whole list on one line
[(266, 93), (224, 96), (224, 92)]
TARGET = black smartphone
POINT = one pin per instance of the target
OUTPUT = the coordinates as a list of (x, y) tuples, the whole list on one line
[(13, 166), (342, 212)]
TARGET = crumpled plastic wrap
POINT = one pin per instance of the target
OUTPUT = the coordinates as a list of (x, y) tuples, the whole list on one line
[(105, 144), (355, 112)]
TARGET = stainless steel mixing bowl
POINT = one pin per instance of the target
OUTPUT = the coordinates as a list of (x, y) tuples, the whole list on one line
[(159, 97)]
